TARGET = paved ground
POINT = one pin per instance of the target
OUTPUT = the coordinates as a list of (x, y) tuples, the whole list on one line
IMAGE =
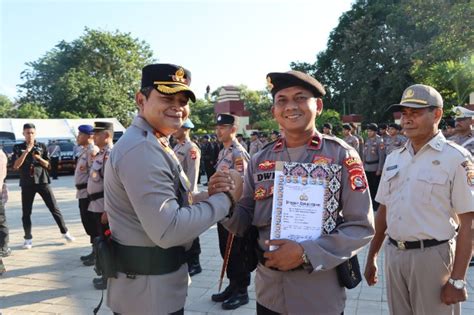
[(49, 278)]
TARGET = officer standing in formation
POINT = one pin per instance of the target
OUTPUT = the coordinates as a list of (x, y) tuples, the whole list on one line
[(301, 278), (426, 209), (103, 139), (31, 158), (81, 176), (349, 137), (374, 158), (152, 213), (189, 157), (383, 133), (396, 140), (464, 135), (232, 156), (255, 143), (327, 129)]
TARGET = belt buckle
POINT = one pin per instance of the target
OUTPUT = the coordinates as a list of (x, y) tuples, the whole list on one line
[(401, 245)]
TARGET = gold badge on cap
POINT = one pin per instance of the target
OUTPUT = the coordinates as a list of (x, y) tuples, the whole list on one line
[(458, 113), (179, 76), (409, 93)]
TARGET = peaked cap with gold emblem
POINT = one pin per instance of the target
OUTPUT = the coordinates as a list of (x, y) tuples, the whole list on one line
[(462, 112), (277, 81), (419, 96), (167, 79)]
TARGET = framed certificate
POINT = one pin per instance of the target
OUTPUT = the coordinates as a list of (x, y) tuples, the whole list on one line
[(305, 200)]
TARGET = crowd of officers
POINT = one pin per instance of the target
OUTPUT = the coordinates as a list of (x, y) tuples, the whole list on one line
[(145, 190)]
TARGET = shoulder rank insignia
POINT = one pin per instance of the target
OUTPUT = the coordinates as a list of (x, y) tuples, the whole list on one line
[(266, 165), (193, 154), (278, 145), (259, 193), (314, 143)]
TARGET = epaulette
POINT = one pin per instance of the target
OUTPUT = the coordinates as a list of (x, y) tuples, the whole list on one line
[(339, 141), (462, 150)]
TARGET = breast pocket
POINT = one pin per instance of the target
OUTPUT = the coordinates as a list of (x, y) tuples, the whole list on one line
[(392, 180), (430, 183)]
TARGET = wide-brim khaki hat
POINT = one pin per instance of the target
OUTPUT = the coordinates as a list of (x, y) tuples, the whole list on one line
[(419, 96)]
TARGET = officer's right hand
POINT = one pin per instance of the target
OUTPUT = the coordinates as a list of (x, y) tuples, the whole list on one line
[(238, 183), (370, 272), (220, 182)]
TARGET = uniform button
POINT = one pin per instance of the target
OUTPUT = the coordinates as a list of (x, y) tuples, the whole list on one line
[(318, 267)]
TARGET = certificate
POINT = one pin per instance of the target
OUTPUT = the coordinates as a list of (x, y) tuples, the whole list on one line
[(305, 200)]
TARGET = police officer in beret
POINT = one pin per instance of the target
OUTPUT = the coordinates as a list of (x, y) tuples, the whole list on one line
[(103, 139), (349, 137), (426, 210), (32, 159), (327, 129), (232, 156), (301, 278), (189, 156), (374, 158), (396, 140), (153, 215), (85, 158), (255, 143), (383, 132)]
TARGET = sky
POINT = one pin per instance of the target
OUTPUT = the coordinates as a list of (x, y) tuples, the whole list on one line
[(222, 42)]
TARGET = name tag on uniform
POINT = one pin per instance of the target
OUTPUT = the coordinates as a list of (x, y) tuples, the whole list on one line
[(391, 167)]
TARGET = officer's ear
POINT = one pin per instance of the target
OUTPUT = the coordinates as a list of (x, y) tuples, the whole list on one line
[(273, 111), (319, 106), (140, 99)]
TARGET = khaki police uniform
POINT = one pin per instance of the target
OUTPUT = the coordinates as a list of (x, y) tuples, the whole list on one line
[(423, 194), (299, 291), (189, 157), (147, 199), (352, 141), (234, 157), (466, 142), (255, 146), (81, 178), (374, 158), (393, 143), (95, 182)]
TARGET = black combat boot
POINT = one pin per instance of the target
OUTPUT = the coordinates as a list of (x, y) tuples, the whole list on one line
[(238, 298), (224, 295)]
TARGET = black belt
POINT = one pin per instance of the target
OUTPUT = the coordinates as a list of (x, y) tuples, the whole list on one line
[(96, 196), (415, 244), (138, 260), (81, 186), (371, 162)]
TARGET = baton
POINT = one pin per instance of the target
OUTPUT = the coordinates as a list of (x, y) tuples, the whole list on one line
[(228, 248)]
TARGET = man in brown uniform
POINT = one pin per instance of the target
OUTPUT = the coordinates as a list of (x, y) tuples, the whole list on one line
[(395, 140), (300, 278), (232, 156), (426, 209), (81, 176), (349, 137), (189, 157), (103, 138), (255, 144)]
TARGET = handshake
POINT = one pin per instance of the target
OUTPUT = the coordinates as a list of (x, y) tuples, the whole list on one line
[(226, 181)]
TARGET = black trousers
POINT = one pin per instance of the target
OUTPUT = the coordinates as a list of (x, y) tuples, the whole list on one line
[(194, 252), (54, 167), (3, 227), (87, 219), (28, 195), (374, 181), (237, 273), (99, 228), (210, 170), (180, 312), (262, 310)]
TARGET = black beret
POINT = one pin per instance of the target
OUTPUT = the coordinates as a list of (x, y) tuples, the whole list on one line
[(167, 79), (226, 119), (347, 127), (278, 81), (274, 132), (205, 137), (327, 125), (383, 126), (396, 126), (29, 126), (263, 135), (254, 133), (372, 127), (103, 125)]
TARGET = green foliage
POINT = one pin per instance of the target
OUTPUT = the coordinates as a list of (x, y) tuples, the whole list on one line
[(330, 116), (202, 116), (258, 103), (31, 110), (380, 47), (95, 75), (6, 107)]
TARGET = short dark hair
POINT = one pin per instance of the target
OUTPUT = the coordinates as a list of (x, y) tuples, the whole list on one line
[(146, 91), (29, 126)]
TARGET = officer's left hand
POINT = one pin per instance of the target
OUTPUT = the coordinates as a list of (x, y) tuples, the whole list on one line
[(103, 218), (451, 295), (286, 257), (220, 182)]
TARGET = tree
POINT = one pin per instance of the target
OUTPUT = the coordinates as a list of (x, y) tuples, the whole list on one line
[(95, 75), (31, 110), (202, 116), (6, 107), (258, 103)]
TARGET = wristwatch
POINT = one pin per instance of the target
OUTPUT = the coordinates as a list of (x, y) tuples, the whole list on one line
[(458, 284), (305, 259)]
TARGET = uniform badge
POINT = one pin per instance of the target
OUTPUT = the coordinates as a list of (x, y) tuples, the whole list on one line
[(270, 191), (436, 162), (409, 93), (352, 162), (321, 160), (239, 164), (193, 154), (314, 143), (82, 168), (94, 174), (266, 165), (259, 193), (358, 182)]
